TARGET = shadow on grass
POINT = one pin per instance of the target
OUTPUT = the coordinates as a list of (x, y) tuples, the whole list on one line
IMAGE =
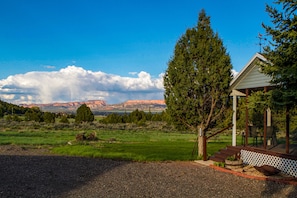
[(48, 176)]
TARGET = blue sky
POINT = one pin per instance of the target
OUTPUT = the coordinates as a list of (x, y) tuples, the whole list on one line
[(116, 37)]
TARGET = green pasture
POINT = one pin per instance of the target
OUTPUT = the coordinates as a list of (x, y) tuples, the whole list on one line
[(118, 144)]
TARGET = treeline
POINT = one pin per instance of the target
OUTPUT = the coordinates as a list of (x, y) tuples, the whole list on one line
[(36, 115), (18, 113), (10, 109), (138, 117), (83, 114)]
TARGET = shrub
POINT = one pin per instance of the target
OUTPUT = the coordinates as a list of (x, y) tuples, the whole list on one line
[(49, 117), (219, 164), (64, 119), (86, 136)]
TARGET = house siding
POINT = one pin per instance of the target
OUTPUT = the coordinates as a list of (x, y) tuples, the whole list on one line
[(254, 79)]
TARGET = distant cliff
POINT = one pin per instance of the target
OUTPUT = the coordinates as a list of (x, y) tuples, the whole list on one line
[(145, 105), (144, 102), (101, 106)]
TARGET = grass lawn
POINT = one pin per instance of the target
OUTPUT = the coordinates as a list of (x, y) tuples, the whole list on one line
[(118, 144)]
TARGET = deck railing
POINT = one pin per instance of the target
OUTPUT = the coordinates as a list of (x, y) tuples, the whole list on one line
[(259, 157), (205, 138)]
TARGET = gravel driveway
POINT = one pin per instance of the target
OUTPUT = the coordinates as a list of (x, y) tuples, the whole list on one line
[(33, 173)]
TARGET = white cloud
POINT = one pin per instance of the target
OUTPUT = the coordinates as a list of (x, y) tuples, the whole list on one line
[(234, 72), (77, 84), (133, 73)]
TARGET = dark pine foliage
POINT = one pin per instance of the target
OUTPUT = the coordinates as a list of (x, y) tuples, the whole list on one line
[(282, 53)]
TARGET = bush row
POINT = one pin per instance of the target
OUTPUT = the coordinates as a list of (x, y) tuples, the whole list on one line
[(137, 117), (42, 126)]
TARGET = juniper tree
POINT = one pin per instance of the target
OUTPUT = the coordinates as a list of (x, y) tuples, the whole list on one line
[(84, 114), (197, 79), (49, 117)]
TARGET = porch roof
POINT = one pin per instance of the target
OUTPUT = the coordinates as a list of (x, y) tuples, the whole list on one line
[(250, 76)]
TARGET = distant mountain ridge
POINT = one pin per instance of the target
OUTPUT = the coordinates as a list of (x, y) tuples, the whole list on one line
[(102, 106), (68, 105)]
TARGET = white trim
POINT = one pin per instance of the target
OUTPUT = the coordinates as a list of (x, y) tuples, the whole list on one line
[(236, 93), (234, 121)]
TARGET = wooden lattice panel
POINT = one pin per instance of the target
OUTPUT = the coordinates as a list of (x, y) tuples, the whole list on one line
[(288, 166)]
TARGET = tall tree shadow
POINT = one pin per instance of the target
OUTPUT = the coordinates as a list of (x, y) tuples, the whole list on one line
[(48, 176)]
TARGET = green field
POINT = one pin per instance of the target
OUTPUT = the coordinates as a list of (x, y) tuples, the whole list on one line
[(137, 145)]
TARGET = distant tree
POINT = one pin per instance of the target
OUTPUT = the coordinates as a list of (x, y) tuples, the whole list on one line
[(197, 79), (49, 117), (84, 114), (34, 114), (157, 117), (16, 118), (64, 119), (112, 118), (8, 118), (125, 118), (1, 113), (137, 116), (148, 116)]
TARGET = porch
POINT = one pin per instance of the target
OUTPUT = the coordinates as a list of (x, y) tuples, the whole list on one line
[(274, 156), (248, 80), (260, 145)]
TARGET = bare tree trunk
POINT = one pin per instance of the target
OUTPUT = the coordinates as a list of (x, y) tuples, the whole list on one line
[(200, 142), (200, 146)]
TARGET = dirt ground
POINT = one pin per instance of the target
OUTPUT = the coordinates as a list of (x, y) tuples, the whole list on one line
[(28, 172)]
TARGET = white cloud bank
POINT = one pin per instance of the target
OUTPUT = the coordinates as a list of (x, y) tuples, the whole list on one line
[(77, 84)]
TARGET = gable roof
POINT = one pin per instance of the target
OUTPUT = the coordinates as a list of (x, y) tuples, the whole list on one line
[(250, 76)]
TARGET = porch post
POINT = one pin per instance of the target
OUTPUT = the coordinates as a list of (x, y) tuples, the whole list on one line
[(246, 118), (268, 117), (234, 120), (287, 129), (265, 125), (235, 94)]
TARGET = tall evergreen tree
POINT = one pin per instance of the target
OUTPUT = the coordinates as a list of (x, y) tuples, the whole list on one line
[(282, 54), (197, 79)]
